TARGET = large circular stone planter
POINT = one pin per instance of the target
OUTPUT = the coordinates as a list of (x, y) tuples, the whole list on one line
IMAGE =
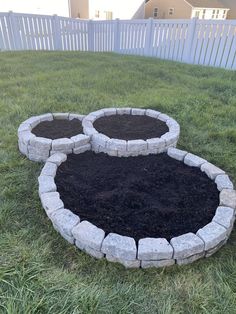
[(148, 252), (40, 148), (124, 148)]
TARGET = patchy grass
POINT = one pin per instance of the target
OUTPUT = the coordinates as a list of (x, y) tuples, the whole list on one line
[(39, 271)]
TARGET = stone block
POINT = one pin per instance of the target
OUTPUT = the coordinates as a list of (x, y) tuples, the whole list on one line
[(57, 158), (170, 138), (41, 144), (51, 202), (155, 143), (82, 149), (24, 127), (211, 170), (80, 140), (98, 113), (49, 169), (215, 249), (26, 136), (190, 259), (228, 198), (187, 245), (223, 182), (116, 145), (23, 148), (138, 112), (100, 139), (87, 124), (212, 234), (109, 111), (126, 263), (119, 246), (65, 221), (121, 111), (176, 153), (33, 121), (152, 113), (46, 117), (157, 264), (90, 131), (64, 145), (46, 184), (61, 116), (88, 235), (163, 117), (193, 160), (37, 157), (73, 116), (154, 249), (225, 216), (94, 253), (136, 145)]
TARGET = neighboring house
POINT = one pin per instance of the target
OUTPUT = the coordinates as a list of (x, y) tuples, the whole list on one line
[(186, 9), (232, 5), (107, 9)]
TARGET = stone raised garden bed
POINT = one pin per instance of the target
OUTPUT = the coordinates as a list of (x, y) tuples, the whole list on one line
[(41, 136), (212, 222), (127, 132)]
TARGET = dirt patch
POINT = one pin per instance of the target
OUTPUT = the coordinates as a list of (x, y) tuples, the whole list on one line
[(144, 196), (130, 127), (58, 129)]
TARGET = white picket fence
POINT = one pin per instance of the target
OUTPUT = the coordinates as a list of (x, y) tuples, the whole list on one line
[(204, 42)]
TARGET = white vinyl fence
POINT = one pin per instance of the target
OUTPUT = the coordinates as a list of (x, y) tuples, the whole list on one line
[(205, 42)]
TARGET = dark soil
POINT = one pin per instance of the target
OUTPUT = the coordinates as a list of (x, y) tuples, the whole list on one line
[(129, 127), (145, 196), (58, 128)]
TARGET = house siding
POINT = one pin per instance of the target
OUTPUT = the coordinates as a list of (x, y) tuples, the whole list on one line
[(79, 9), (182, 10)]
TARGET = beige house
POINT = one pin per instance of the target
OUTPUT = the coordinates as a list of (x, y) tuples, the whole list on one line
[(186, 9), (231, 4), (107, 9)]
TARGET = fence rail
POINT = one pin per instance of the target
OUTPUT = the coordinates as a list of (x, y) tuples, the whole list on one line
[(204, 42)]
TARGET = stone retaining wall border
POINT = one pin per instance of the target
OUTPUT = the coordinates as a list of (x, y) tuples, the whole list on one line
[(150, 252)]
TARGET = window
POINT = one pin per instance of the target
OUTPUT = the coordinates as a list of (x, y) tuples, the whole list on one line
[(217, 14), (155, 12), (197, 13), (224, 14), (213, 14), (97, 13), (203, 14), (171, 11), (109, 15)]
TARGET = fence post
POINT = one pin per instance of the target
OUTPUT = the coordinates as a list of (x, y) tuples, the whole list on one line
[(187, 56), (15, 32), (148, 38), (90, 35), (57, 33), (117, 36)]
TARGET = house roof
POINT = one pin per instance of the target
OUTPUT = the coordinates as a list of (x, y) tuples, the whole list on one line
[(206, 4)]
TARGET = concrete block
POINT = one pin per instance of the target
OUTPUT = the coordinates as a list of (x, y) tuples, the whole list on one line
[(176, 153), (80, 140), (117, 145), (61, 116), (73, 116), (109, 111), (49, 169), (136, 145), (228, 198), (152, 113), (82, 149), (154, 249), (46, 184), (65, 221), (46, 117), (138, 112), (211, 170), (157, 264), (51, 202), (225, 216), (212, 234), (64, 145), (193, 160), (121, 111), (126, 263), (190, 259), (223, 182), (57, 158)]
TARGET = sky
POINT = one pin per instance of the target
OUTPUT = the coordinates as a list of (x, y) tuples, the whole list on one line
[(47, 7)]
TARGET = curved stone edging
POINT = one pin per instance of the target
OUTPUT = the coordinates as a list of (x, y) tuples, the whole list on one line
[(151, 252), (40, 148), (122, 148)]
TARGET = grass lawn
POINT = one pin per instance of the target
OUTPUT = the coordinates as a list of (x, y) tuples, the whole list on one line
[(39, 271)]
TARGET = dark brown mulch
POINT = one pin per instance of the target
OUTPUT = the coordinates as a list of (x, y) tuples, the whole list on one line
[(145, 196), (58, 128), (129, 127)]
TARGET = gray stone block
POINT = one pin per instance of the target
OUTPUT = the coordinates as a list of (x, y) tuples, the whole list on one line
[(49, 169), (87, 124), (126, 263), (109, 111), (154, 249), (38, 153), (23, 148), (116, 145), (225, 216), (46, 184), (212, 234), (176, 153), (155, 144), (64, 145), (223, 182), (41, 144), (37, 158), (211, 170), (88, 235), (215, 249), (170, 138), (57, 158), (193, 160), (67, 152), (73, 116), (228, 198), (46, 117), (80, 140), (138, 112), (61, 116), (100, 139), (82, 149), (122, 111), (163, 117), (152, 113), (26, 136), (33, 121), (90, 131), (94, 253), (136, 145), (190, 259), (68, 238), (24, 127), (187, 245), (157, 264), (51, 202), (65, 221), (119, 246)]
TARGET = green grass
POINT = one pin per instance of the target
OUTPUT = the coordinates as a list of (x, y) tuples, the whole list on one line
[(39, 271)]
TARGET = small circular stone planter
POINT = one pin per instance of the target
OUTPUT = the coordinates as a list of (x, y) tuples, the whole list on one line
[(148, 252), (39, 148), (124, 148)]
